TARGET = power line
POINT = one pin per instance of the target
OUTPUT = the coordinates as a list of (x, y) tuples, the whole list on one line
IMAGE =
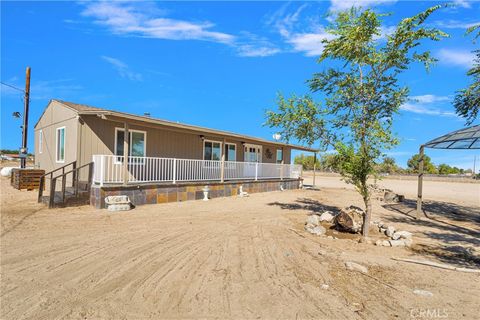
[(13, 87)]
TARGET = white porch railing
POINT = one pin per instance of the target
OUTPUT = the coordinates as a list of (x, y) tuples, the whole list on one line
[(109, 169)]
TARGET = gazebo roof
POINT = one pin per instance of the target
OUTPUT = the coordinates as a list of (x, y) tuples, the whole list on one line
[(467, 138)]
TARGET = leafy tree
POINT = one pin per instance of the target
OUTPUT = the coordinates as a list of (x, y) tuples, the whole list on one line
[(428, 166), (306, 162), (388, 165), (467, 101), (362, 94), (329, 162), (446, 169)]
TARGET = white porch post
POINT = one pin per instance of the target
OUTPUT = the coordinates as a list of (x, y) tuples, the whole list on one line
[(314, 167), (222, 163), (174, 170), (256, 171), (126, 148), (102, 169), (281, 168)]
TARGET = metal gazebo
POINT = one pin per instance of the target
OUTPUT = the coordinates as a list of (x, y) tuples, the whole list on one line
[(467, 138)]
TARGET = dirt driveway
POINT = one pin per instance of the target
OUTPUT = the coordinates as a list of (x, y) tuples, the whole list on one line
[(240, 258)]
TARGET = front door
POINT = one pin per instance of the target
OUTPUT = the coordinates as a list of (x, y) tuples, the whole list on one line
[(251, 154)]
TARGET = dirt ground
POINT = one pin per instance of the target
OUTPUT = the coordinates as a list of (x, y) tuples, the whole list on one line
[(242, 258)]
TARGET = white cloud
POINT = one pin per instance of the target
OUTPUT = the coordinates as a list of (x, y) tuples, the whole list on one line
[(250, 50), (303, 37), (340, 5), (429, 98), (462, 3), (309, 43), (305, 34), (425, 109), (123, 69), (133, 19), (143, 19), (461, 58), (454, 24)]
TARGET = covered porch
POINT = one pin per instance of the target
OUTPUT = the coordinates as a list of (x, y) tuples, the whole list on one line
[(114, 170)]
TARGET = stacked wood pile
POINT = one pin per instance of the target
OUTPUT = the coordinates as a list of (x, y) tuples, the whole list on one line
[(26, 178)]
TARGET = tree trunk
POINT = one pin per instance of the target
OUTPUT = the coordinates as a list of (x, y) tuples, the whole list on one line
[(366, 217)]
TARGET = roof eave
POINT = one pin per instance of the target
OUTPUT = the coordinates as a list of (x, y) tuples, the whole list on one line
[(192, 128)]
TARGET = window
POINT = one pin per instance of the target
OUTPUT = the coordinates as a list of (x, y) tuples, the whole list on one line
[(230, 152), (60, 143), (212, 150), (137, 142), (279, 155), (40, 141)]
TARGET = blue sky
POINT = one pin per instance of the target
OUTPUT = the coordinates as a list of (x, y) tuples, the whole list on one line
[(214, 64)]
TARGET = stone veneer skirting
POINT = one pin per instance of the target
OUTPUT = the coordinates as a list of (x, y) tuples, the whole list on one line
[(160, 193)]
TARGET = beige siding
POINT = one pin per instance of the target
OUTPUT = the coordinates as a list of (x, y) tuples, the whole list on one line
[(92, 135), (97, 136), (56, 116)]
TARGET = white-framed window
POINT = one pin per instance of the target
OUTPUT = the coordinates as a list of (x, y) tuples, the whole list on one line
[(230, 152), (40, 141), (60, 145), (138, 142), (212, 150), (279, 155)]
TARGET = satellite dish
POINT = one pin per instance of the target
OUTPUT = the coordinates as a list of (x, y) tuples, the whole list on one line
[(276, 136), (16, 114)]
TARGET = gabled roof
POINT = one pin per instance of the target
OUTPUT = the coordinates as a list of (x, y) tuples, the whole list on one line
[(83, 109)]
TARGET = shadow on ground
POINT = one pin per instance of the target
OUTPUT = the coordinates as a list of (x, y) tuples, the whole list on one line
[(305, 204), (454, 225)]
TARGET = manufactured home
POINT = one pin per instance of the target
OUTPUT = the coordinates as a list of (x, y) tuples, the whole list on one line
[(150, 159)]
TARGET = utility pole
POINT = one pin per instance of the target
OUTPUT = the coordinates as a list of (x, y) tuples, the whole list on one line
[(23, 150)]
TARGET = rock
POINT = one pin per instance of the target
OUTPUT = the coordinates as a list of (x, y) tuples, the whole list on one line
[(424, 293), (313, 219), (404, 234), (397, 243), (382, 230), (395, 236), (319, 230), (327, 216), (316, 230), (408, 242), (365, 240), (356, 267), (379, 243), (390, 231), (349, 219), (324, 286), (390, 196), (386, 243), (330, 237)]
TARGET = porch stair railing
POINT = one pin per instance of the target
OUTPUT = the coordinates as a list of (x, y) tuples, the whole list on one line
[(110, 169), (50, 176), (78, 191)]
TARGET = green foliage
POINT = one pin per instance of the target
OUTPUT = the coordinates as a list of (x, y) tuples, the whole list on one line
[(446, 169), (388, 165), (467, 101), (306, 162), (362, 96), (297, 118), (428, 166)]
